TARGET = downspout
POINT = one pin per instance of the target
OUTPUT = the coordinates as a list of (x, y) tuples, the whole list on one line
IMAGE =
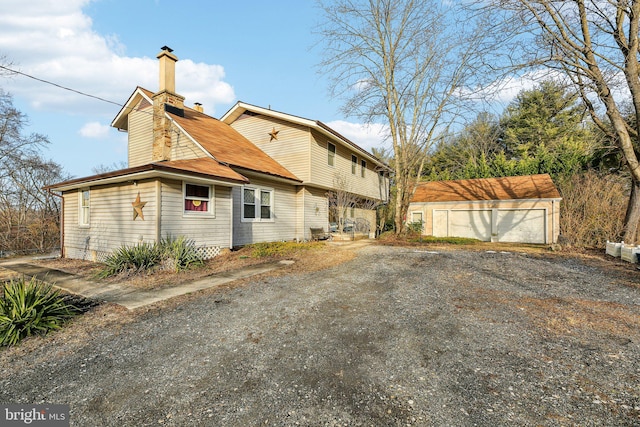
[(61, 221)]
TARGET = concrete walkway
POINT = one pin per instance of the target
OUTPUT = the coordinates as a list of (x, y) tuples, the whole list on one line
[(123, 294)]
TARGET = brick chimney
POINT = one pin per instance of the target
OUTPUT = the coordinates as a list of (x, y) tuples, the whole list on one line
[(198, 107), (166, 99)]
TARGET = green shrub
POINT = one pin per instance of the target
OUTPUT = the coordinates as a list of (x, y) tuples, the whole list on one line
[(181, 253), (30, 308), (414, 227), (448, 240), (261, 250)]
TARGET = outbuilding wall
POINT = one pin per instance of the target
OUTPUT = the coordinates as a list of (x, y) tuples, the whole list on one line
[(524, 221)]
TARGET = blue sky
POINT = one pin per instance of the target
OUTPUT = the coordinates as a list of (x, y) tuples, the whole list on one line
[(253, 51), (263, 53)]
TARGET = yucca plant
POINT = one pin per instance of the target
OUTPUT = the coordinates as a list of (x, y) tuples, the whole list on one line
[(140, 257), (181, 252), (30, 308)]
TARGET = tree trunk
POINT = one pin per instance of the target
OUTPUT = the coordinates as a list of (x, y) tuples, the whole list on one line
[(632, 217), (399, 216)]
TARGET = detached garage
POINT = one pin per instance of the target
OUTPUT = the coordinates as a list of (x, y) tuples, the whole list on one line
[(522, 209)]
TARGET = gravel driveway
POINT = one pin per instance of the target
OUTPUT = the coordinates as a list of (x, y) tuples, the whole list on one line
[(395, 337)]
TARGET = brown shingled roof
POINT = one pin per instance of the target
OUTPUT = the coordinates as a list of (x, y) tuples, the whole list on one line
[(228, 145), (202, 166), (507, 188)]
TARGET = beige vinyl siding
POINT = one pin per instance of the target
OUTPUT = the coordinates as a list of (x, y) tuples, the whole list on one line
[(205, 230), (140, 134), (75, 243), (326, 176), (283, 226), (316, 210), (111, 220), (300, 219), (291, 149)]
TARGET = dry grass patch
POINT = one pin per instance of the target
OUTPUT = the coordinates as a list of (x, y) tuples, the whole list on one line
[(563, 316), (76, 334)]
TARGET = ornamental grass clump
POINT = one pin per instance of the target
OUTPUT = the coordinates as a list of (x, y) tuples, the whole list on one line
[(132, 259), (31, 308), (172, 253), (181, 253)]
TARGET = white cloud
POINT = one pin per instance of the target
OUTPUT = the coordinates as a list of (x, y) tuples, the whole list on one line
[(55, 41), (94, 130), (365, 136)]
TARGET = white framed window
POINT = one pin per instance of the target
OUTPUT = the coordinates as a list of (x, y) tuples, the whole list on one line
[(84, 207), (354, 164), (257, 204), (198, 199), (363, 167), (331, 154)]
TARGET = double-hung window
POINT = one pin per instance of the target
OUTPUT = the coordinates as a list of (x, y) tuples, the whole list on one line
[(354, 164), (257, 204), (198, 199), (331, 154), (84, 207), (363, 165)]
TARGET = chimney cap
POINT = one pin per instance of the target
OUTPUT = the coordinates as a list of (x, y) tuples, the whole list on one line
[(166, 48)]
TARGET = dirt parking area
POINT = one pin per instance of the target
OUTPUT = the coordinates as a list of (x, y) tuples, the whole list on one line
[(395, 336)]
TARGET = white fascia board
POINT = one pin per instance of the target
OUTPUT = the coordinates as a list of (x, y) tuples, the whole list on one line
[(129, 106)]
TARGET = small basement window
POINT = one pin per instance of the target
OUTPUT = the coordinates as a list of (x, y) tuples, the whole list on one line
[(198, 198)]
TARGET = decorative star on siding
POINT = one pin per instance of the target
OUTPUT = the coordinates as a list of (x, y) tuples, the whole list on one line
[(137, 208), (274, 134)]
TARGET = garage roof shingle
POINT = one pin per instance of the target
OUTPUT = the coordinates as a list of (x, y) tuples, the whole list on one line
[(506, 188)]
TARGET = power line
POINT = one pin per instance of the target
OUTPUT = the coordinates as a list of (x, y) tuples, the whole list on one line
[(60, 86), (151, 113)]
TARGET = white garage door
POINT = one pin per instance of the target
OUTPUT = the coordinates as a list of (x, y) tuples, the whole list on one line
[(472, 224), (440, 223), (525, 226)]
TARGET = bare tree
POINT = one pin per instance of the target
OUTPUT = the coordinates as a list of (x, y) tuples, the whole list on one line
[(594, 43), (398, 62), (13, 143), (29, 215), (341, 200), (104, 168)]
